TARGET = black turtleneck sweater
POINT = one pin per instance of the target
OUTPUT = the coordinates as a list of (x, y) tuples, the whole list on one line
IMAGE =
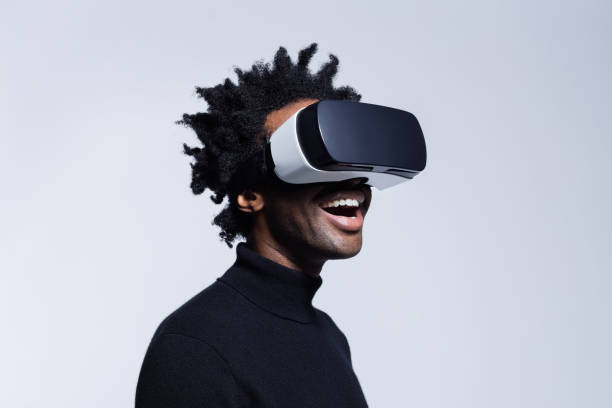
[(250, 339)]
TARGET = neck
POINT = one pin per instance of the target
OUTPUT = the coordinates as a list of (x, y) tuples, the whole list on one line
[(268, 247)]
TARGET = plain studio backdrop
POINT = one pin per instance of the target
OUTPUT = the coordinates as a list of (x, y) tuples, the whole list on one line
[(484, 282)]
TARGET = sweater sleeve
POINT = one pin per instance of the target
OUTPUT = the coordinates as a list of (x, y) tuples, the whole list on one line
[(180, 372)]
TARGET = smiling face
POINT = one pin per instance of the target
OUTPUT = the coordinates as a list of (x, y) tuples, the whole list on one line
[(307, 223), (318, 221)]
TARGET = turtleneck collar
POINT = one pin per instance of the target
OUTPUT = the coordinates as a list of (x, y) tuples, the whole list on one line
[(275, 288)]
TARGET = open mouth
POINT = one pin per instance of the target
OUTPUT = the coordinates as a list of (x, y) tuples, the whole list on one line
[(343, 209)]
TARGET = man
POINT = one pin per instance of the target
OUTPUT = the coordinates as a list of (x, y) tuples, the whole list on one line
[(253, 338)]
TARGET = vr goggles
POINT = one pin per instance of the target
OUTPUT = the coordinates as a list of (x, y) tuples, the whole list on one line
[(334, 140)]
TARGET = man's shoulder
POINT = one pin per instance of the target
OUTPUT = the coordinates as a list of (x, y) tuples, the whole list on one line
[(209, 310), (327, 319), (340, 336)]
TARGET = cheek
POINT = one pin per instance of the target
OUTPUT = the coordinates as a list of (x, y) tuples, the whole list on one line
[(285, 214), (302, 214), (294, 217)]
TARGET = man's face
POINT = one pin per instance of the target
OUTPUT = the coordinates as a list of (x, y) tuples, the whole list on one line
[(318, 221)]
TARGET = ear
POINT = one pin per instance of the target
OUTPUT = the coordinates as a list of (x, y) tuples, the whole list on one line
[(250, 201)]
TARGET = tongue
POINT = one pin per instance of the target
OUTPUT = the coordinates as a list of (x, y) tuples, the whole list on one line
[(348, 219)]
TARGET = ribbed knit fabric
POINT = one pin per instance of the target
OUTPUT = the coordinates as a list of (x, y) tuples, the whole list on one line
[(250, 339)]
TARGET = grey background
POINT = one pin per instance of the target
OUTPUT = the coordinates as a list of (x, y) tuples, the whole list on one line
[(484, 282)]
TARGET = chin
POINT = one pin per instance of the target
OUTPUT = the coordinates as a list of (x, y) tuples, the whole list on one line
[(343, 248)]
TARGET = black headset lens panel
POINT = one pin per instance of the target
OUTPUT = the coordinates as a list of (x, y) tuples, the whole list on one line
[(341, 135)]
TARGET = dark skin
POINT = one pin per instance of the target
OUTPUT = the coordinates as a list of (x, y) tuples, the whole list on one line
[(289, 225)]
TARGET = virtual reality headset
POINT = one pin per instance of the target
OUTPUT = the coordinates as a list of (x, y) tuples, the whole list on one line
[(334, 140)]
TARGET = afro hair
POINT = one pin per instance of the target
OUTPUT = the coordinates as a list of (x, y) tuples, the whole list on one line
[(231, 158)]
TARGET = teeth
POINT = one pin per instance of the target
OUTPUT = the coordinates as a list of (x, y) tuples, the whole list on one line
[(348, 202)]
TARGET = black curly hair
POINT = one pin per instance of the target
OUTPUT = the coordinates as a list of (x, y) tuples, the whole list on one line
[(232, 131)]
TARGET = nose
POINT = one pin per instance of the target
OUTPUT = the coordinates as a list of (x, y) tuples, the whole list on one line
[(357, 181)]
